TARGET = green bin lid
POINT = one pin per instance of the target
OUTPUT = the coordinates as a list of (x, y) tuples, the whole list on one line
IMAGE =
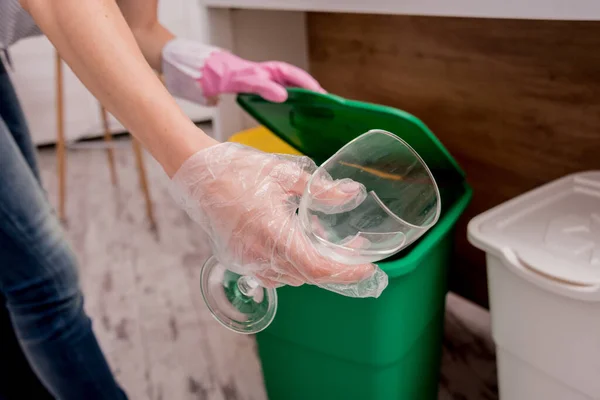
[(320, 124)]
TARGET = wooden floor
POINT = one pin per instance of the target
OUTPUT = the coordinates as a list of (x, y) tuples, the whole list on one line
[(142, 292)]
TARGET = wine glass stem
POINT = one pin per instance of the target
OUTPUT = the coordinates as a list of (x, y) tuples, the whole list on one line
[(247, 285)]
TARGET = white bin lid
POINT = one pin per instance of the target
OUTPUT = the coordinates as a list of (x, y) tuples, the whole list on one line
[(553, 232)]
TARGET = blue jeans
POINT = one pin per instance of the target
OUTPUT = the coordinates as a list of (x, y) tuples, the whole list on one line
[(48, 348)]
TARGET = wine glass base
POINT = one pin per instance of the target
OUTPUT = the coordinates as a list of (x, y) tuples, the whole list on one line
[(240, 312)]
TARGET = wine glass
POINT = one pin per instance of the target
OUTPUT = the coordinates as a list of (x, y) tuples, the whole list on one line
[(398, 202)]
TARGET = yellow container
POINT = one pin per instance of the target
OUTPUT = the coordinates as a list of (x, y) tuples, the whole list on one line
[(263, 139)]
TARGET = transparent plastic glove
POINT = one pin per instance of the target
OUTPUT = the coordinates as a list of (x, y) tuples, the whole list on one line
[(199, 73), (246, 201)]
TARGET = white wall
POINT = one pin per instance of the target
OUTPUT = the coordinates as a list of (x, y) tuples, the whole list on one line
[(33, 77)]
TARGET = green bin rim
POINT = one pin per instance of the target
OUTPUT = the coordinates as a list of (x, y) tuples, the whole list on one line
[(401, 266)]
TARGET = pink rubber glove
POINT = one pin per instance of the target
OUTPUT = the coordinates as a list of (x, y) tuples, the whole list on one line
[(200, 73), (224, 72)]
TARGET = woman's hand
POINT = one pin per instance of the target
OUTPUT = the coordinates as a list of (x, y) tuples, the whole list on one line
[(201, 73), (246, 201)]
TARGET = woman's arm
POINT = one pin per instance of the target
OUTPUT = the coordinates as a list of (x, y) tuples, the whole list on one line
[(151, 36), (240, 196), (95, 41)]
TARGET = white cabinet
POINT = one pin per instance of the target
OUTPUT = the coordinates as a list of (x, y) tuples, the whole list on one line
[(33, 77)]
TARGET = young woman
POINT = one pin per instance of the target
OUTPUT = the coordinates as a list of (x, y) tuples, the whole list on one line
[(240, 197)]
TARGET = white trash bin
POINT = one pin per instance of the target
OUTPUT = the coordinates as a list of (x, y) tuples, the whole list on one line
[(543, 265)]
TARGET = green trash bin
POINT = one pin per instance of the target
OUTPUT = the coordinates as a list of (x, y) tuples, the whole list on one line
[(322, 345)]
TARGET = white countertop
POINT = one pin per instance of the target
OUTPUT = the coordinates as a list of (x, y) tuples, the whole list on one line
[(517, 9)]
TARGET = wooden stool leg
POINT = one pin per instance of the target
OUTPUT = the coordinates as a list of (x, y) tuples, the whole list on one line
[(110, 154), (139, 161), (60, 144)]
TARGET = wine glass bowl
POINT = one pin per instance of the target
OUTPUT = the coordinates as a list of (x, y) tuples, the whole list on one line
[(398, 202)]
